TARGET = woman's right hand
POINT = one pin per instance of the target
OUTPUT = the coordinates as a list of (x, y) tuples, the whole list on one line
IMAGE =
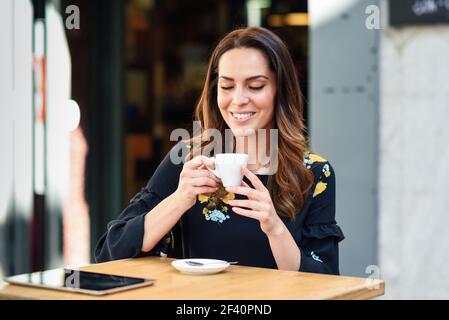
[(196, 179)]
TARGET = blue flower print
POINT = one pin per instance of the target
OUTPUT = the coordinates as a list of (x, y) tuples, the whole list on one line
[(315, 257), (217, 215)]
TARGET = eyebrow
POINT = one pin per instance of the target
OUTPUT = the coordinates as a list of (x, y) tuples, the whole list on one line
[(250, 78)]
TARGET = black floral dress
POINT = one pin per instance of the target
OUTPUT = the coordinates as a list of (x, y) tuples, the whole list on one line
[(210, 229)]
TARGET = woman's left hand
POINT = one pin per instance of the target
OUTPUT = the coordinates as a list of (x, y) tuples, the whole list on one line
[(260, 203)]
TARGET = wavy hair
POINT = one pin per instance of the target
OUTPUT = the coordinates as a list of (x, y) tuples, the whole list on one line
[(289, 187)]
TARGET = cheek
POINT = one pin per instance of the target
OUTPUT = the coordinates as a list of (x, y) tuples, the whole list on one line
[(222, 101), (265, 102)]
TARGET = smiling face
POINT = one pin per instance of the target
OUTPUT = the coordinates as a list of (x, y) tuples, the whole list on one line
[(246, 90)]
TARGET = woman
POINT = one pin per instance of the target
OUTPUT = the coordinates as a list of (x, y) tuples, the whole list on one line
[(285, 220)]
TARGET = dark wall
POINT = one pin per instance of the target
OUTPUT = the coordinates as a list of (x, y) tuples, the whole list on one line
[(97, 85)]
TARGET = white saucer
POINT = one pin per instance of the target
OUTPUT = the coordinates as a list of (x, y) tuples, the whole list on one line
[(215, 266)]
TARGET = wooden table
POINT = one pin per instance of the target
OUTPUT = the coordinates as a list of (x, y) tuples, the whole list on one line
[(235, 283)]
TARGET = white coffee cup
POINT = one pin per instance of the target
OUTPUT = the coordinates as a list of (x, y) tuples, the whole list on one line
[(228, 168)]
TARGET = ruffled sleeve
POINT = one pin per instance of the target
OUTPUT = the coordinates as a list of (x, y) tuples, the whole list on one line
[(320, 233), (124, 235)]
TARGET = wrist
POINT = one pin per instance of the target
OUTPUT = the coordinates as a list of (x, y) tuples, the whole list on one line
[(277, 230), (179, 202)]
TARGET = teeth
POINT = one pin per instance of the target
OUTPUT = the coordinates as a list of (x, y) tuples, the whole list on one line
[(242, 115)]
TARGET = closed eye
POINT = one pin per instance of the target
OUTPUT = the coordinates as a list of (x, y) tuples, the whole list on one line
[(250, 87)]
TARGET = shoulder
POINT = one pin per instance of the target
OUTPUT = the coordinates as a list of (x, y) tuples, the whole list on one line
[(323, 172), (318, 164)]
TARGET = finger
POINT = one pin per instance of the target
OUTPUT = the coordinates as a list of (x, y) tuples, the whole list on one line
[(204, 190), (203, 181), (210, 164), (213, 176), (246, 191), (250, 204), (198, 161), (244, 184), (205, 166), (247, 213), (258, 185), (202, 173)]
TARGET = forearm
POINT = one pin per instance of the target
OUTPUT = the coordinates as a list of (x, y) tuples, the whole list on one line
[(285, 250), (161, 219)]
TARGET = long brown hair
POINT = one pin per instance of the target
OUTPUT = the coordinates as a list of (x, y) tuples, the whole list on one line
[(289, 187)]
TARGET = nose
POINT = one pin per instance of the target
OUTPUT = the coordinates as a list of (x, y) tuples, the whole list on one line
[(240, 98)]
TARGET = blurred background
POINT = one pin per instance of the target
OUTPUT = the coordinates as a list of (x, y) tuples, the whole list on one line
[(91, 89)]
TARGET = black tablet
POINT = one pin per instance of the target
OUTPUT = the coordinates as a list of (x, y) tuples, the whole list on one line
[(79, 281)]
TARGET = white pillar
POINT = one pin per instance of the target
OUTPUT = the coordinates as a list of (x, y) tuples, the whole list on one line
[(414, 162), (344, 120)]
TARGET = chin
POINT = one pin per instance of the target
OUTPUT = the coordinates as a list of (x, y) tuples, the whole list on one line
[(244, 131)]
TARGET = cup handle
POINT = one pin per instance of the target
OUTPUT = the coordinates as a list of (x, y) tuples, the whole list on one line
[(214, 171)]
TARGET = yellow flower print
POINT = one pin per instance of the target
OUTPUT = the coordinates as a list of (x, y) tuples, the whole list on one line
[(320, 187), (215, 204), (229, 196), (316, 158), (203, 197), (327, 173)]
